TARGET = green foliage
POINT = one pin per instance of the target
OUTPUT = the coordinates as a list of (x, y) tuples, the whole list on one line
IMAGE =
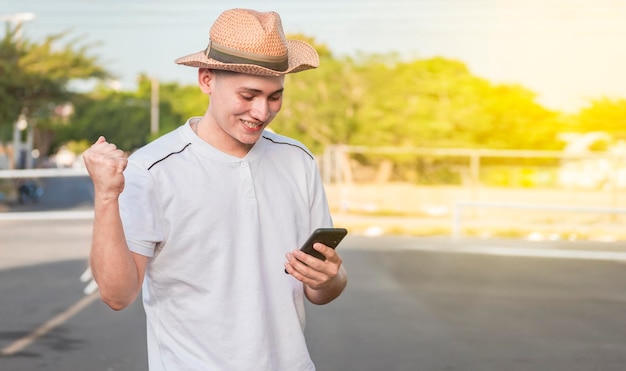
[(34, 79), (34, 76), (176, 103), (380, 101), (410, 104), (603, 115), (364, 100), (10, 80), (78, 146), (123, 118), (319, 106), (511, 119), (438, 103)]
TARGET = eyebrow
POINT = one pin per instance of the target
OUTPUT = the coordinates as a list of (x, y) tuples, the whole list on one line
[(257, 91)]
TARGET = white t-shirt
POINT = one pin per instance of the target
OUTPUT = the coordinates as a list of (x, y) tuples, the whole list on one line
[(217, 229)]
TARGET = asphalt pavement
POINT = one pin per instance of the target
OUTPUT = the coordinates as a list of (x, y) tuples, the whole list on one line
[(411, 304)]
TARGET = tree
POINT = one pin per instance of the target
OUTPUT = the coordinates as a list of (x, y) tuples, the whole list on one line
[(123, 117), (608, 115), (177, 104), (34, 77), (366, 100), (320, 105), (509, 118), (438, 102)]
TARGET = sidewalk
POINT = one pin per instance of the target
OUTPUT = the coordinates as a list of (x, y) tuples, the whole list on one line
[(34, 242)]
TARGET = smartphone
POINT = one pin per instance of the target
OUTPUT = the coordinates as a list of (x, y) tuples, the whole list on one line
[(328, 236)]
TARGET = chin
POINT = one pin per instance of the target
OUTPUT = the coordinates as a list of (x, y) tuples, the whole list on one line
[(250, 138)]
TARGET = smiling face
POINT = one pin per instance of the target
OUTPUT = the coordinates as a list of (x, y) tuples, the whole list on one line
[(241, 106)]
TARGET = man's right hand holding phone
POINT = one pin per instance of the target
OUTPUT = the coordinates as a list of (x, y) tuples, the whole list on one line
[(323, 280)]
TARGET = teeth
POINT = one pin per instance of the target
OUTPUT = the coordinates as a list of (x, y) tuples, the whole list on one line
[(250, 124)]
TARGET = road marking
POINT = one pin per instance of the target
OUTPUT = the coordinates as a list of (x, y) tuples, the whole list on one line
[(532, 252), (42, 330), (546, 253)]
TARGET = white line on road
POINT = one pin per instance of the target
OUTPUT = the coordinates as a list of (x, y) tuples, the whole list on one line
[(532, 252), (42, 330), (519, 248)]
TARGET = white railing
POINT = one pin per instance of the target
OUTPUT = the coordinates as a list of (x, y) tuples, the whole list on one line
[(43, 173), (47, 215), (459, 208)]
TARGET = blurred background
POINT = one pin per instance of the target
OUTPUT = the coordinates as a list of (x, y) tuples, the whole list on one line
[(453, 111), (494, 127)]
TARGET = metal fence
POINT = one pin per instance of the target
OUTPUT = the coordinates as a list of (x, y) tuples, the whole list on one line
[(579, 191), (341, 164), (481, 189)]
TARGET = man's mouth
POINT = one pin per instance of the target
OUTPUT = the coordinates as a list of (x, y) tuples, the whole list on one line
[(251, 125)]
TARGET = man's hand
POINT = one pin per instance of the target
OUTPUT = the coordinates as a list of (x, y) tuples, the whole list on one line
[(105, 164), (324, 280)]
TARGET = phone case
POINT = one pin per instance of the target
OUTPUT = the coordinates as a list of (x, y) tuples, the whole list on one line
[(328, 236)]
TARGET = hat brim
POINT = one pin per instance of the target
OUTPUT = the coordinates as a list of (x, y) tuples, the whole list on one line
[(300, 56)]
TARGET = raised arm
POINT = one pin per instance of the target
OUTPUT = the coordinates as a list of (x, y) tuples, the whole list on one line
[(117, 271)]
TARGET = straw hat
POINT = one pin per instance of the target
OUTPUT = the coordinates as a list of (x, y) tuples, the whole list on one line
[(247, 41)]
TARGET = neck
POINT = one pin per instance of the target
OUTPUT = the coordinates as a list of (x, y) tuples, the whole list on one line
[(211, 133)]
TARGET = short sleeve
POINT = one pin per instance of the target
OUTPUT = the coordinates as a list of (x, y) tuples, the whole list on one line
[(139, 210)]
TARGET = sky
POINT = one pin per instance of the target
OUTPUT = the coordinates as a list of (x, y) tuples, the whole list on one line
[(567, 51)]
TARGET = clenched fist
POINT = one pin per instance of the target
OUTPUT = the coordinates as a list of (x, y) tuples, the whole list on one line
[(105, 164)]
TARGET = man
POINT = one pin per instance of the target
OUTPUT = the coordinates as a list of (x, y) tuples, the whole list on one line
[(207, 219)]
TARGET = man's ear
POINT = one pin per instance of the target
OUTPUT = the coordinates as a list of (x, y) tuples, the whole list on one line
[(205, 76)]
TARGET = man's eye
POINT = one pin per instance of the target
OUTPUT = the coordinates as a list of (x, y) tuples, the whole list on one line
[(275, 97), (247, 97)]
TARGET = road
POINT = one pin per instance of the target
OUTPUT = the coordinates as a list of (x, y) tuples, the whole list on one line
[(411, 304)]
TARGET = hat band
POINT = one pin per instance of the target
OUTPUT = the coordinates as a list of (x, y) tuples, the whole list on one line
[(232, 56)]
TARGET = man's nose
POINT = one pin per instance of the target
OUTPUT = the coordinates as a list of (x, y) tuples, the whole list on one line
[(260, 109)]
